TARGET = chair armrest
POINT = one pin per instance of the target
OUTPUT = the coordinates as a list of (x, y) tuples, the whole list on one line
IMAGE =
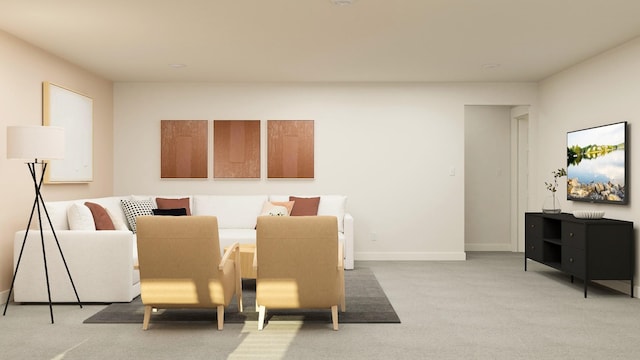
[(235, 247)]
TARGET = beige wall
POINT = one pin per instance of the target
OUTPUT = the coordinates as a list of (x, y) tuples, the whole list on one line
[(388, 147), (602, 90), (23, 68)]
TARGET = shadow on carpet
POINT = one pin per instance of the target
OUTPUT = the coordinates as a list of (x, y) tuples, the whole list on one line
[(366, 303)]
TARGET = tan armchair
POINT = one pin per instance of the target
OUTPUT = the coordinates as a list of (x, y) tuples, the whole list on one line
[(299, 265), (181, 267)]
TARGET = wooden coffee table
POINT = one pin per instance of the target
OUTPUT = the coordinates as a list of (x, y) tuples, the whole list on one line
[(247, 252)]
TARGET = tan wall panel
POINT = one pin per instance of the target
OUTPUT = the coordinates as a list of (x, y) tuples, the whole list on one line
[(290, 149), (236, 145), (183, 148)]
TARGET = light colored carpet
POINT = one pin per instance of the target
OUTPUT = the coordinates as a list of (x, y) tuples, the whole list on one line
[(484, 308)]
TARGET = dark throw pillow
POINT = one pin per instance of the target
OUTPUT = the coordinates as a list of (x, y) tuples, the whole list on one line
[(164, 203), (170, 212)]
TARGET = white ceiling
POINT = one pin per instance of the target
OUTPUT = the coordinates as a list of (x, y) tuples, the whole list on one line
[(315, 40)]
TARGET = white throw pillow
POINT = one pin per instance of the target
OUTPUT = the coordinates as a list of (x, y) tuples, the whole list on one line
[(80, 217)]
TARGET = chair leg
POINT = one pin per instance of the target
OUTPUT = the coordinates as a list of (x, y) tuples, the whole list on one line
[(334, 316), (240, 306), (261, 311), (238, 279), (147, 317), (343, 301), (220, 317)]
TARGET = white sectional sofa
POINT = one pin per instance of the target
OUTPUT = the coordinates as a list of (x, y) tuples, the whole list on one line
[(102, 262)]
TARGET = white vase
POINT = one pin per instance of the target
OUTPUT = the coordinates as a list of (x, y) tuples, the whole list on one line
[(551, 205)]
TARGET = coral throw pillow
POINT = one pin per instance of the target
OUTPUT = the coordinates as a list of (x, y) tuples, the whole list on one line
[(100, 216), (304, 206)]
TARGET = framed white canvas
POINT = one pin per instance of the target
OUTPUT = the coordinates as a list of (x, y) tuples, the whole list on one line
[(73, 112)]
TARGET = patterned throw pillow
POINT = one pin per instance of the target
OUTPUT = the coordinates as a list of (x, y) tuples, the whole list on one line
[(275, 208), (277, 211), (134, 208)]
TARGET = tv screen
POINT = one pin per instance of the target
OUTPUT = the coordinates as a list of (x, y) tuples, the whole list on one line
[(597, 164)]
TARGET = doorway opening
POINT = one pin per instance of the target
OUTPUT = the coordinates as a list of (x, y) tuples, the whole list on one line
[(496, 173)]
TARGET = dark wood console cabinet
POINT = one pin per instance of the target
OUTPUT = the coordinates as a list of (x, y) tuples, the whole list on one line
[(588, 249)]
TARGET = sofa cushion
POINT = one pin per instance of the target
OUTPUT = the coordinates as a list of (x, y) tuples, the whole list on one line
[(135, 208), (164, 203), (80, 218), (304, 206), (233, 211), (57, 211), (100, 216), (117, 219)]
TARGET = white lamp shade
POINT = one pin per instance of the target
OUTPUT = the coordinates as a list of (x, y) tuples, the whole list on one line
[(35, 142)]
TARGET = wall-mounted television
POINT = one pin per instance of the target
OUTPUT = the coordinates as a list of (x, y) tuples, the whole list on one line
[(597, 164)]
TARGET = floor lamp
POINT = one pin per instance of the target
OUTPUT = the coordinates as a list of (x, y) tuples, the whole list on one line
[(39, 143)]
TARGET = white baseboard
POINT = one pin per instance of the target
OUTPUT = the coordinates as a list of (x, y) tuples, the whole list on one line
[(3, 297), (487, 247), (410, 256)]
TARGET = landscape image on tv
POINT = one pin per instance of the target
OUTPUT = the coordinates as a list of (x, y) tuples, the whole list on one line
[(596, 164)]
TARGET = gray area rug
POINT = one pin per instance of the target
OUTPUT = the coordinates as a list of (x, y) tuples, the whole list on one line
[(366, 303)]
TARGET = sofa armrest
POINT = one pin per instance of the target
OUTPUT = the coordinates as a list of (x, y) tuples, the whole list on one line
[(100, 263), (348, 242)]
